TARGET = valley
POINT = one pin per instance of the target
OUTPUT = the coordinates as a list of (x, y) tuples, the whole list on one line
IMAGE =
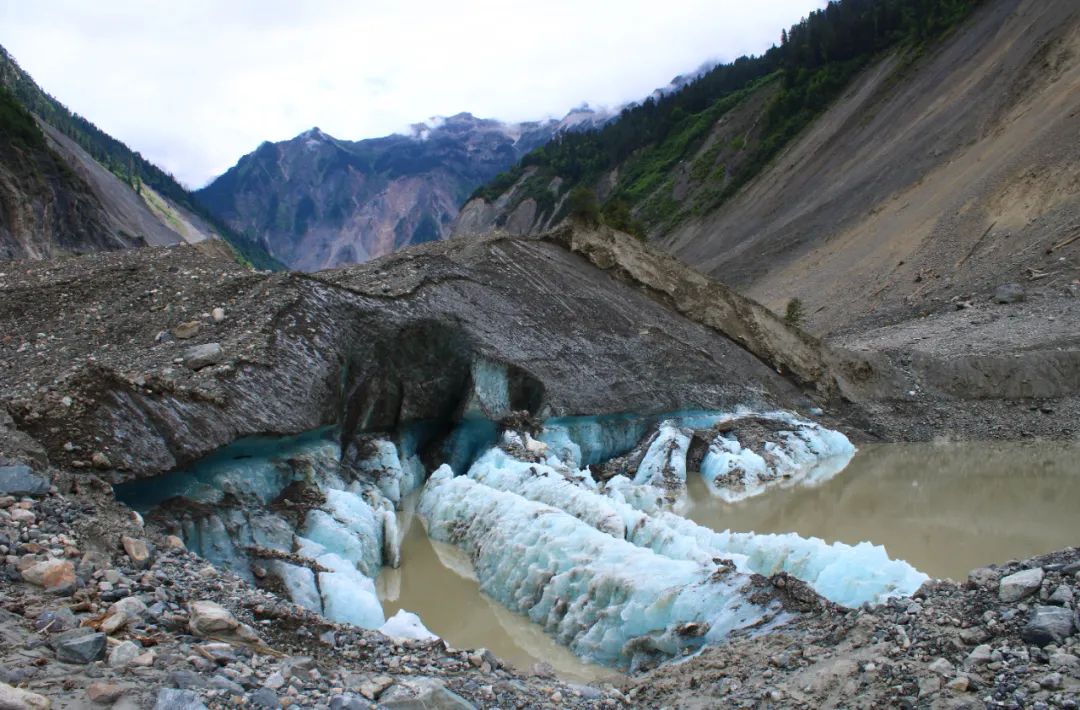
[(762, 392)]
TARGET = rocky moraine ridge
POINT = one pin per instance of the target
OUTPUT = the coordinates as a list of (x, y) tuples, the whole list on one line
[(570, 380)]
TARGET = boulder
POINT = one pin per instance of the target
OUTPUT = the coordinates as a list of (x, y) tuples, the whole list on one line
[(201, 356), (174, 699), (1048, 624), (105, 693), (80, 646), (426, 693), (1021, 584), (137, 551), (20, 480), (188, 329), (123, 654), (16, 699), (1009, 293), (54, 575), (209, 619)]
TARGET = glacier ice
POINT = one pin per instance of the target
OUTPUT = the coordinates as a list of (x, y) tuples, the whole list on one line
[(846, 574), (610, 601), (664, 463), (406, 625), (347, 595), (804, 454)]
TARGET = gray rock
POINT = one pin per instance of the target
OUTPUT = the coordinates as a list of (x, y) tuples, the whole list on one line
[(348, 702), (1048, 624), (174, 699), (79, 646), (1017, 586), (186, 680), (264, 698), (222, 683), (1009, 293), (200, 356), (55, 621), (423, 694), (20, 480), (124, 653), (979, 656), (1062, 596)]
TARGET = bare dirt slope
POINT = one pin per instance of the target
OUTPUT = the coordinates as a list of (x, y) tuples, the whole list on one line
[(930, 180), (154, 220)]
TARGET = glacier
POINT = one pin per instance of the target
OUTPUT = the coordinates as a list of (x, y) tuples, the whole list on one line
[(609, 600), (573, 524), (849, 575)]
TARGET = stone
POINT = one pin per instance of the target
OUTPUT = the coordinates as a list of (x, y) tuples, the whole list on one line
[(100, 461), (983, 576), (53, 622), (1062, 596), (104, 693), (174, 699), (20, 480), (201, 356), (1052, 681), (79, 646), (173, 542), (1009, 293), (16, 699), (222, 683), (186, 330), (1017, 586), (137, 551), (209, 618), (52, 575), (960, 684), (423, 693), (144, 660), (979, 656), (941, 666), (114, 623), (348, 701), (265, 698), (22, 517), (372, 688), (218, 314), (133, 607), (123, 654), (929, 685), (274, 681), (1064, 661), (186, 679), (1048, 624)]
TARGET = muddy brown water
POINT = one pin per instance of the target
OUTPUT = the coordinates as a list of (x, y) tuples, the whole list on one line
[(945, 508)]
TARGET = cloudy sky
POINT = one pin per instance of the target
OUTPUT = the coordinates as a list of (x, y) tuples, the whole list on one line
[(194, 85)]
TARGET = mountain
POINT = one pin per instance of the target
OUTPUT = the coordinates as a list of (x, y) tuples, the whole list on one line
[(316, 201), (67, 187), (887, 160)]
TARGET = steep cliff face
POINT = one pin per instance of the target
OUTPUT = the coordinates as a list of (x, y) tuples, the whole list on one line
[(66, 187), (926, 184), (316, 201), (45, 208), (942, 169)]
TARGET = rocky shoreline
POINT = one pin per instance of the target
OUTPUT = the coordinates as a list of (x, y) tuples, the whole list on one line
[(122, 367), (97, 610)]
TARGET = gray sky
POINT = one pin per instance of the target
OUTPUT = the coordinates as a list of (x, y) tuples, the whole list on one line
[(193, 85)]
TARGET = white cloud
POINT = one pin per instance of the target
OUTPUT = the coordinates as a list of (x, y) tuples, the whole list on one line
[(195, 85)]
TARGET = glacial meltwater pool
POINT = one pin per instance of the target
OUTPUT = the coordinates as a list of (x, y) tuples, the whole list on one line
[(945, 508)]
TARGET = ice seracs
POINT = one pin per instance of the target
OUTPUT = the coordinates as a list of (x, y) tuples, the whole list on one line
[(607, 599)]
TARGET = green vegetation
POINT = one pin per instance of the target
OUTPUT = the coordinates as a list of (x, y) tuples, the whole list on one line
[(20, 91), (17, 126), (793, 314), (814, 62)]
